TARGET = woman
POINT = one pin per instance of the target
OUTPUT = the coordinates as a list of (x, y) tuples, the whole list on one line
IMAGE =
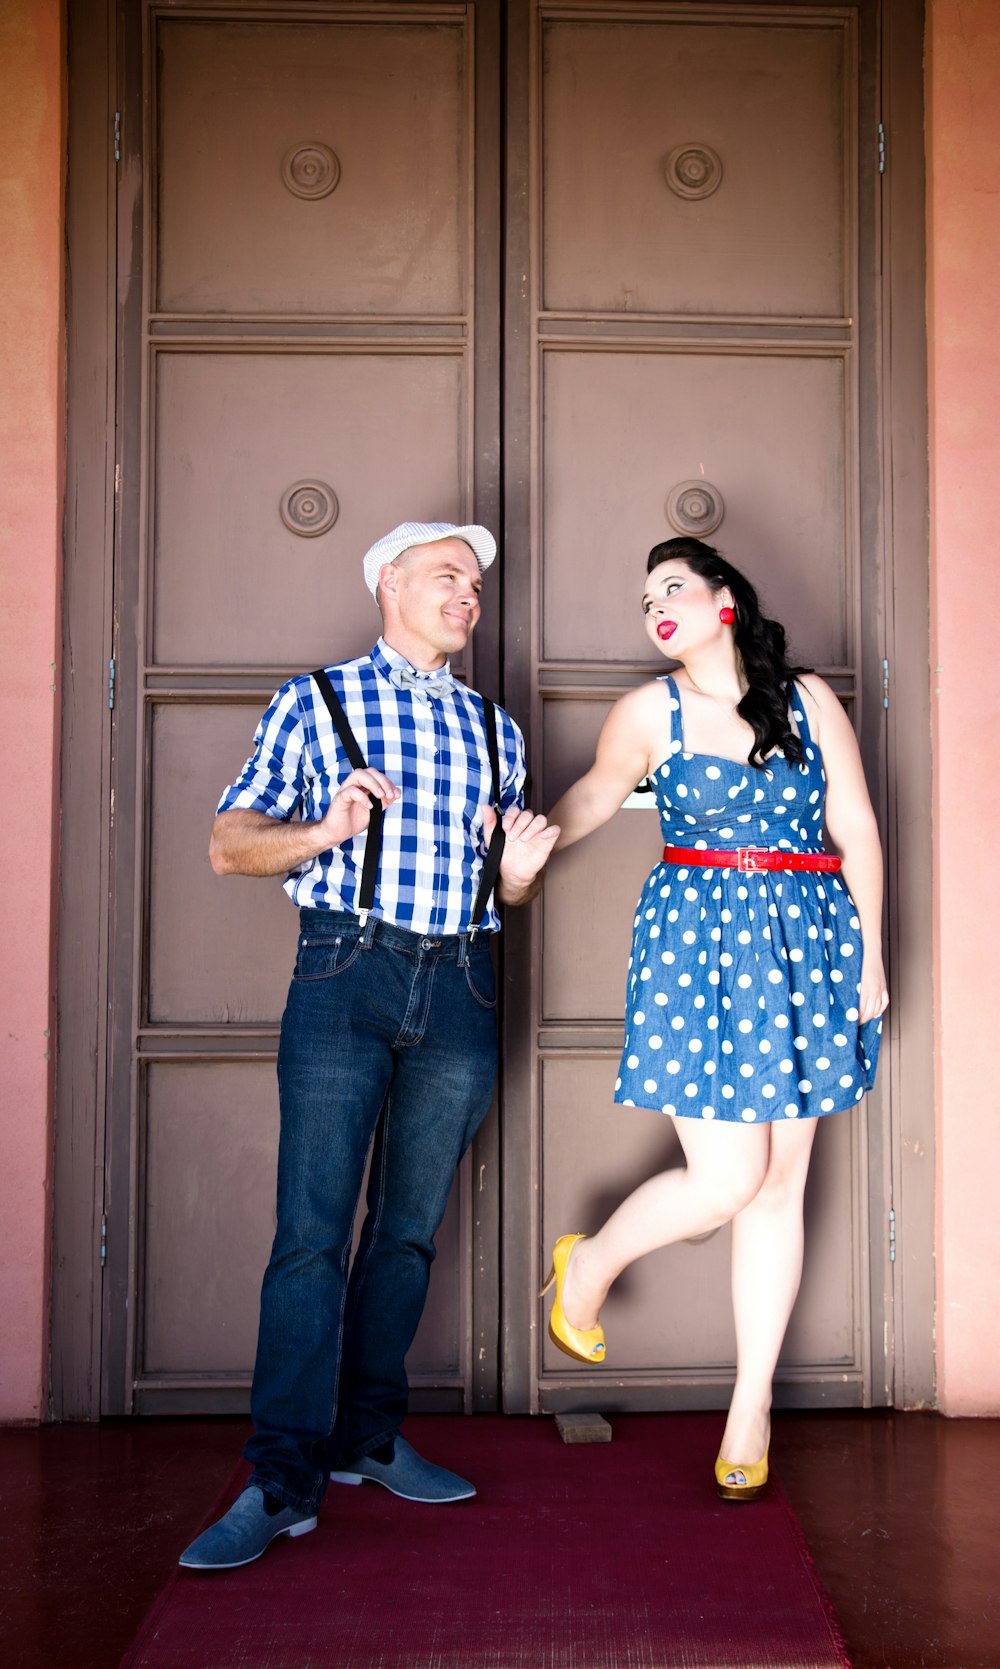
[(756, 982)]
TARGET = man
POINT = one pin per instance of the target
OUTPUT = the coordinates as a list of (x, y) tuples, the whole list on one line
[(389, 1034)]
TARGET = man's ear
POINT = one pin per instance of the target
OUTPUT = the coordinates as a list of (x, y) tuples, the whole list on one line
[(388, 579)]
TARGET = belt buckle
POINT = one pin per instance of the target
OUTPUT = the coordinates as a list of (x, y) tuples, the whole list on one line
[(748, 860)]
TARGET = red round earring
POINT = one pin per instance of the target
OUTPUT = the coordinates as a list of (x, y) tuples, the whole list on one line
[(727, 615)]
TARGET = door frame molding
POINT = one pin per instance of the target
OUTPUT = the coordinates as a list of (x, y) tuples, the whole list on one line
[(905, 498), (88, 579), (900, 1299)]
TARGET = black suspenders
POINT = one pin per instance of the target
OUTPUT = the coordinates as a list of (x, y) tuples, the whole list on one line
[(491, 862), (373, 845)]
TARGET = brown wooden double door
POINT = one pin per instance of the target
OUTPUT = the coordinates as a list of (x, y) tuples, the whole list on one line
[(333, 319)]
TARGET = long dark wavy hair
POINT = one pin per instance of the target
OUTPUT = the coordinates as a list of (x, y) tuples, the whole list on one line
[(760, 643)]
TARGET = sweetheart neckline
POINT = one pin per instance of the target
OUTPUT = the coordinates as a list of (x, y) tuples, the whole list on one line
[(724, 758)]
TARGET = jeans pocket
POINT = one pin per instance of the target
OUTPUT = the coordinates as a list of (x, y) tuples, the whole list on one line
[(481, 980), (320, 956)]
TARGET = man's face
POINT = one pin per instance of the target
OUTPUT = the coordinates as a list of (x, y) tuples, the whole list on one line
[(431, 595)]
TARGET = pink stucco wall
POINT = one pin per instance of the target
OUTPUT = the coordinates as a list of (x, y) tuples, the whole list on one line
[(963, 126), (31, 428)]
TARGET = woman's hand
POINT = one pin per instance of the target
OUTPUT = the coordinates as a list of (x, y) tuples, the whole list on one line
[(873, 997)]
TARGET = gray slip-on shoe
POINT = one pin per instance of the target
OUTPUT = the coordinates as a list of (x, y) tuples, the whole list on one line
[(408, 1475), (243, 1533)]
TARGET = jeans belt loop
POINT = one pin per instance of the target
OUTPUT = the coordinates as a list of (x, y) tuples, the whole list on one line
[(368, 931), (463, 949)]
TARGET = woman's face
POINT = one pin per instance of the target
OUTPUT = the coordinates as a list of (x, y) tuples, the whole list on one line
[(681, 610)]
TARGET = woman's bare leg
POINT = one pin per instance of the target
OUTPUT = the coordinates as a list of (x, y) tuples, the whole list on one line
[(767, 1268), (726, 1164)]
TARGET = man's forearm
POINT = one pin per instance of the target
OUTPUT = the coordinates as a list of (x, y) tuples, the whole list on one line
[(251, 843)]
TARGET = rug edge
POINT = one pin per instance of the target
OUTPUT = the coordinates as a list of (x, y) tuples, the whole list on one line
[(823, 1594), (130, 1659)]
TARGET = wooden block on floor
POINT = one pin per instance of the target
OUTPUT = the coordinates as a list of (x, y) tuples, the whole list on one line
[(583, 1428)]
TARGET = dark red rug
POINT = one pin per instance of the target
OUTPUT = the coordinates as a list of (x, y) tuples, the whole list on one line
[(599, 1556)]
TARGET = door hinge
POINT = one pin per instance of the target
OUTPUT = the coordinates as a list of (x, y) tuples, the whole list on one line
[(118, 479), (111, 682), (885, 684), (104, 1240), (118, 136), (881, 147), (892, 1235)]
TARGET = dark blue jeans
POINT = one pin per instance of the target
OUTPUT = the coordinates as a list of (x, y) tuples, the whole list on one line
[(389, 1038)]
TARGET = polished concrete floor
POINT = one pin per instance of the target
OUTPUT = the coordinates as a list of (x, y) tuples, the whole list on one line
[(901, 1512)]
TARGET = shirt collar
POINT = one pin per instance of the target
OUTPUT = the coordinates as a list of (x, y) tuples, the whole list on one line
[(384, 659)]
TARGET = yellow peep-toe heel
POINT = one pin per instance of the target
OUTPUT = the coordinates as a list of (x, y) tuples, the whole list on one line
[(585, 1346), (755, 1476)]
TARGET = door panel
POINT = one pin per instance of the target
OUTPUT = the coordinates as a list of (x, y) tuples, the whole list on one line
[(239, 534), (695, 166), (275, 144), (765, 432), (208, 1142), (590, 893), (668, 1314), (311, 357), (219, 955), (685, 361), (209, 1137)]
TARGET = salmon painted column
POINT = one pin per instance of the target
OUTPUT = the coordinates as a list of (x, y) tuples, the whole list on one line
[(963, 203), (32, 149)]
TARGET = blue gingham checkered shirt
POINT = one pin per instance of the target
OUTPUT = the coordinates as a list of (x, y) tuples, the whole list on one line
[(433, 748)]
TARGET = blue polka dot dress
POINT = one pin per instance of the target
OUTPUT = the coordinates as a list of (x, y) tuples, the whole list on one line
[(742, 999)]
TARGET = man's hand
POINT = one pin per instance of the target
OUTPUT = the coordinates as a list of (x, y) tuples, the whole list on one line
[(251, 843), (529, 844), (350, 809)]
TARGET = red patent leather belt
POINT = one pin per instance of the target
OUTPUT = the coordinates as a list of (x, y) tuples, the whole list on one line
[(749, 859)]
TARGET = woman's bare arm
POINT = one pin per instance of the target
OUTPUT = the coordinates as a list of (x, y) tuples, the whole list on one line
[(623, 759), (853, 831)]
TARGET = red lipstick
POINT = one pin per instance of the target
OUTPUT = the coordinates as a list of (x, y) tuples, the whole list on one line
[(666, 629)]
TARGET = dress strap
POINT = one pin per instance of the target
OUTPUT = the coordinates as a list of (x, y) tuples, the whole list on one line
[(676, 728), (799, 715)]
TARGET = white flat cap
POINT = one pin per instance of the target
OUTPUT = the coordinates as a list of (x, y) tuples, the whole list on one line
[(408, 534)]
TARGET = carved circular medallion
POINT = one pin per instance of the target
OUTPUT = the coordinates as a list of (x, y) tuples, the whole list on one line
[(695, 507), (693, 170), (309, 508), (310, 170)]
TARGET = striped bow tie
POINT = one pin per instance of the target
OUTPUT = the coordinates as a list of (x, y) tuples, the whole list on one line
[(404, 678)]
